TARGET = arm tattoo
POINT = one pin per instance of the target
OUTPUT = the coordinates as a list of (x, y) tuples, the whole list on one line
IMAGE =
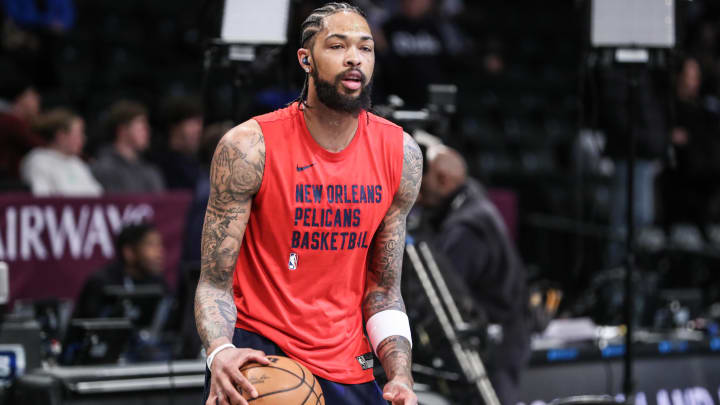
[(227, 311), (382, 291), (235, 177), (396, 357)]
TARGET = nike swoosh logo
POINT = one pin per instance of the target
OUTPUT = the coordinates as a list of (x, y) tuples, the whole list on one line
[(304, 167)]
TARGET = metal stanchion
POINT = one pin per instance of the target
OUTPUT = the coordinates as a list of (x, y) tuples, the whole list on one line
[(451, 322)]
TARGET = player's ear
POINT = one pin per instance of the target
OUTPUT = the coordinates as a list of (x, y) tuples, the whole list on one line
[(442, 178), (304, 59)]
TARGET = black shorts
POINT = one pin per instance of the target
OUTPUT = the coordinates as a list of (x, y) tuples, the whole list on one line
[(368, 393)]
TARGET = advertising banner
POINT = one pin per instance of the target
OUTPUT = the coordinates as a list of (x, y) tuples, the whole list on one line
[(51, 245)]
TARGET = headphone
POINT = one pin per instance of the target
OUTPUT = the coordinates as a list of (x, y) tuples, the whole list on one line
[(305, 60)]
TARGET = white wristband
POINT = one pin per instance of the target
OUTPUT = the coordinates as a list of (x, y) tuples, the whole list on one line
[(387, 323), (214, 353)]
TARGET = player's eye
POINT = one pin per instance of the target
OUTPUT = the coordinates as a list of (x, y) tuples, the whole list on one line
[(336, 46)]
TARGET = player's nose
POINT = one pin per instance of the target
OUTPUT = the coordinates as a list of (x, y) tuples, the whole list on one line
[(352, 57)]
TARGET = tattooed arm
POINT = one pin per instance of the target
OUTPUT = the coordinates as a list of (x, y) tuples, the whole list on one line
[(382, 291), (235, 177)]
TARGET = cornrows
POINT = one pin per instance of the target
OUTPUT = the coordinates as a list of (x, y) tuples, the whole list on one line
[(313, 24)]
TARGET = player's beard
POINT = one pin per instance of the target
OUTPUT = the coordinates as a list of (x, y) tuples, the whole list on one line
[(329, 94)]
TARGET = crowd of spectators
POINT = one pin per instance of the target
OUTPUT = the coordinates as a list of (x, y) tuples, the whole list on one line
[(43, 151)]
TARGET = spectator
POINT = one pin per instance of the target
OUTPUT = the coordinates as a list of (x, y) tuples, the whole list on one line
[(178, 159), (689, 186), (138, 276), (140, 261), (469, 230), (420, 48), (120, 167), (19, 105), (57, 169)]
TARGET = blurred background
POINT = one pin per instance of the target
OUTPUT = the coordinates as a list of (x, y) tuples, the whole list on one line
[(110, 112)]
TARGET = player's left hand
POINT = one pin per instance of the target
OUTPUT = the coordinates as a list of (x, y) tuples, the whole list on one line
[(399, 392)]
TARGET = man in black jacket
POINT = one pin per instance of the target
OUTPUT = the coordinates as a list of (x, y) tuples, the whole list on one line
[(690, 187), (469, 230), (131, 287), (140, 262)]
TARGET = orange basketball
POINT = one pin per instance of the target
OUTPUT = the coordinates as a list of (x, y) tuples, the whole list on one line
[(282, 382)]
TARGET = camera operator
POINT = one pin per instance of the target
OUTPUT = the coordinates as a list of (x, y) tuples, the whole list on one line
[(468, 229)]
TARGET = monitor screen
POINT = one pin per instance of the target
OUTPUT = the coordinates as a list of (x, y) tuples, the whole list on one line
[(139, 304), (96, 341), (255, 22), (634, 23)]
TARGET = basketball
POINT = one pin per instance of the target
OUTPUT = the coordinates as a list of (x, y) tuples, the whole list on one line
[(282, 382)]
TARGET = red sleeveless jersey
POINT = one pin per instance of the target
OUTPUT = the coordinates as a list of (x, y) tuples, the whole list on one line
[(300, 274)]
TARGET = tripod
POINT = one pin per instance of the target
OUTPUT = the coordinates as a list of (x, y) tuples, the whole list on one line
[(448, 315)]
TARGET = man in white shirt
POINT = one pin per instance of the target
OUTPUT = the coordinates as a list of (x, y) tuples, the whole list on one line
[(56, 169)]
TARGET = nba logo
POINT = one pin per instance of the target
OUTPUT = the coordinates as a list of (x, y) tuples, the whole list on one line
[(292, 263)]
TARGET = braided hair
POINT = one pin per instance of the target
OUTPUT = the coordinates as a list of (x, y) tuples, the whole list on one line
[(314, 24)]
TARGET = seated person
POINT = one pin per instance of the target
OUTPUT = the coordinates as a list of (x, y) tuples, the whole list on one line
[(120, 291), (56, 169), (19, 105), (120, 167), (469, 230), (178, 159), (140, 261)]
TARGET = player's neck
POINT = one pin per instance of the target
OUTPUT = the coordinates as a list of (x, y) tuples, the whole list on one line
[(331, 129)]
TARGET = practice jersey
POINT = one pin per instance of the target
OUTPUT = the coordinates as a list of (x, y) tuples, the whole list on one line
[(301, 271)]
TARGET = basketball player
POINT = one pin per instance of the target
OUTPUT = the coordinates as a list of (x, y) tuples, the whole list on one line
[(305, 230)]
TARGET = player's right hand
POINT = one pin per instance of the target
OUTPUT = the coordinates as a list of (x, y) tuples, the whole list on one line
[(227, 382)]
